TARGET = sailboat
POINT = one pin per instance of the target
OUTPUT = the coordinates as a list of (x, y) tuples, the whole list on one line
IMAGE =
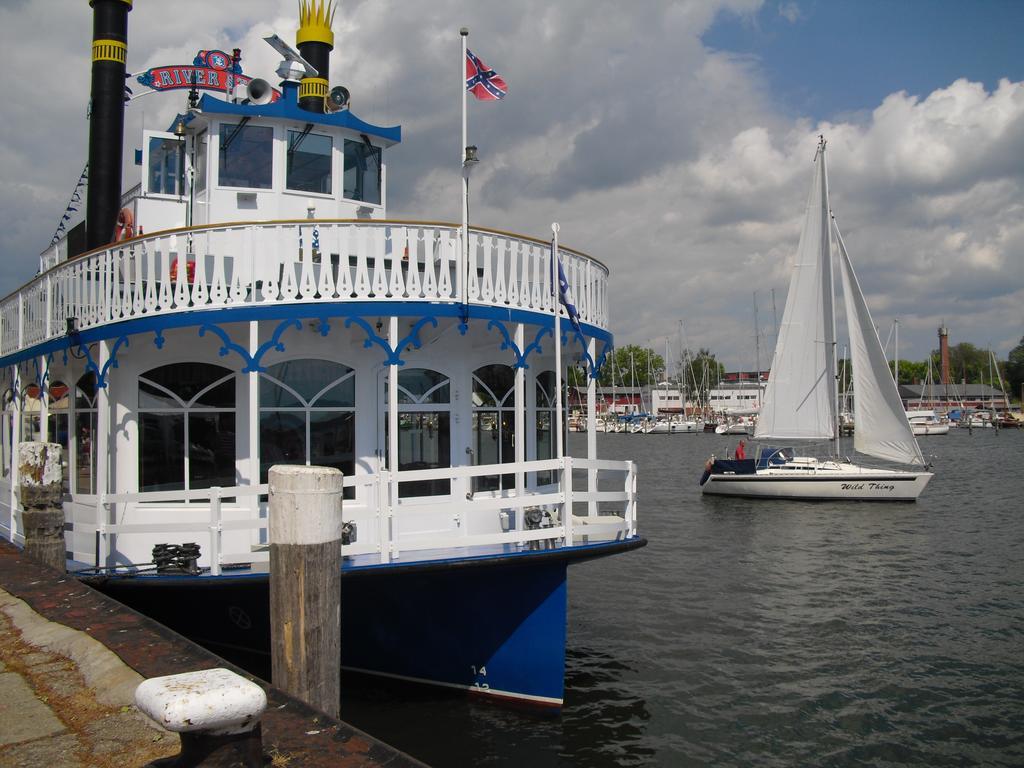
[(801, 399)]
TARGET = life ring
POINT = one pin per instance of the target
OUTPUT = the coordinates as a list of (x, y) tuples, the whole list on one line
[(125, 229)]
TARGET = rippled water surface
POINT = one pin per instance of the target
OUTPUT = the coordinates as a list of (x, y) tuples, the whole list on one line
[(772, 633)]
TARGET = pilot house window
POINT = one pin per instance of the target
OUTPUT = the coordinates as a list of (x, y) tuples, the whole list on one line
[(309, 162), (362, 172), (166, 166), (246, 156)]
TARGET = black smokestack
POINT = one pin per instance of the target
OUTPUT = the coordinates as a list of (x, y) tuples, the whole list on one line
[(315, 41), (106, 121)]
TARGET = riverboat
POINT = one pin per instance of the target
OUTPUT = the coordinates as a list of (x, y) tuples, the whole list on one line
[(256, 307)]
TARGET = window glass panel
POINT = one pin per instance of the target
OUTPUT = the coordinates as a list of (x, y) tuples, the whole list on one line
[(417, 382), (424, 442), (246, 156), (185, 380), (85, 454), (309, 377), (220, 396), (202, 144), (282, 440), (273, 395), (546, 389), (161, 451), (6, 442), (494, 381), (211, 449), (154, 397), (85, 391), (332, 440), (165, 158), (362, 172), (309, 162)]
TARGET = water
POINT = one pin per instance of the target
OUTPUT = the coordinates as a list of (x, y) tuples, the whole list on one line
[(772, 633)]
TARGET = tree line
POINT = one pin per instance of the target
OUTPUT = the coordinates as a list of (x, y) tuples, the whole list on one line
[(633, 365)]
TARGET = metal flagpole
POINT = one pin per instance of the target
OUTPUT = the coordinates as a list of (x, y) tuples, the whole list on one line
[(559, 447), (464, 270)]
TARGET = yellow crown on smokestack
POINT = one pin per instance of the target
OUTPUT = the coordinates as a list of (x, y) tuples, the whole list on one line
[(315, 22)]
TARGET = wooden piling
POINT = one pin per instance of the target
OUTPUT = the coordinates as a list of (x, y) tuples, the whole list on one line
[(41, 492), (305, 583)]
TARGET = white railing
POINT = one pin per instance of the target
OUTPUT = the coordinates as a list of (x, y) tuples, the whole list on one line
[(127, 524), (276, 263)]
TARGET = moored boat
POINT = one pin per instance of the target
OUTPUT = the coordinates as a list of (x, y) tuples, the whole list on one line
[(273, 314)]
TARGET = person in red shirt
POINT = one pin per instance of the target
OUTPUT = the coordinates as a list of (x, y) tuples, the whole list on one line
[(740, 452)]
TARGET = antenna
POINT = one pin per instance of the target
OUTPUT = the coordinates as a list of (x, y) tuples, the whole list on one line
[(294, 67)]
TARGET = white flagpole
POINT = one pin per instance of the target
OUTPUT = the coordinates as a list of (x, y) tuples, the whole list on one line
[(560, 448), (464, 271)]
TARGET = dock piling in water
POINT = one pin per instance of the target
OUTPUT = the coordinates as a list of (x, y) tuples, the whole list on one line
[(305, 529)]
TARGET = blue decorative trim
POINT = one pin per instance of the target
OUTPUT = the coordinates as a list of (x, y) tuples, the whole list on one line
[(158, 324), (595, 372), (286, 108), (91, 365), (372, 338), (412, 338), (535, 344), (252, 362), (508, 343), (159, 339), (583, 345)]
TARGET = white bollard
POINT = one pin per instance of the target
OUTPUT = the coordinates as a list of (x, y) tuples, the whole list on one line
[(216, 711)]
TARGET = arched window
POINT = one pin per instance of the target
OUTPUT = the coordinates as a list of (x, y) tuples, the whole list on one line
[(186, 427), (494, 419), (424, 428), (85, 435), (31, 408), (58, 411), (307, 416), (545, 411), (7, 427)]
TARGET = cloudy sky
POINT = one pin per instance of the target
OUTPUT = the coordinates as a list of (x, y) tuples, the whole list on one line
[(671, 140)]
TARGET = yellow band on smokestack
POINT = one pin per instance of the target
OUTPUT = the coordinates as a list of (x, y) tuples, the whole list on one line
[(315, 23), (313, 86), (109, 50)]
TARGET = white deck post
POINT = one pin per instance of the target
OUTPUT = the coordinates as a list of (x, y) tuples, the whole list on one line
[(591, 428), (16, 415), (215, 531), (567, 495), (253, 381), (520, 422), (102, 442), (391, 545), (44, 404)]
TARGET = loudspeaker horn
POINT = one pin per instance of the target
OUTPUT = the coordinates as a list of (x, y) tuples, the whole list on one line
[(337, 99), (258, 91)]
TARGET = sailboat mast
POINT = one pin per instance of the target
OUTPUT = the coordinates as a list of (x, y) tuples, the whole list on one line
[(830, 292)]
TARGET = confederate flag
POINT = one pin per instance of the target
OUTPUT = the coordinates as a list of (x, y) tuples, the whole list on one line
[(482, 82)]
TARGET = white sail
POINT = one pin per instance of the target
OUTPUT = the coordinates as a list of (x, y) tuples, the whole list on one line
[(882, 426), (799, 401)]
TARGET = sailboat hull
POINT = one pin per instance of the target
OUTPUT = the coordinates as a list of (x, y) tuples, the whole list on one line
[(826, 481)]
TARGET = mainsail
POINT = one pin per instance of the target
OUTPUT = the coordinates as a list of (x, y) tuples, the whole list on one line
[(882, 426), (799, 401)]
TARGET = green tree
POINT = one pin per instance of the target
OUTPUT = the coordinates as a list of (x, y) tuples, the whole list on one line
[(632, 365), (697, 383), (1015, 369)]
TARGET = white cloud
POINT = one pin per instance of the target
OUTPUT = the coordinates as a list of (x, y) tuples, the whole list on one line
[(665, 160)]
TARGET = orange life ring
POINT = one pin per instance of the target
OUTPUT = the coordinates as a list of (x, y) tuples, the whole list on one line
[(125, 229)]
